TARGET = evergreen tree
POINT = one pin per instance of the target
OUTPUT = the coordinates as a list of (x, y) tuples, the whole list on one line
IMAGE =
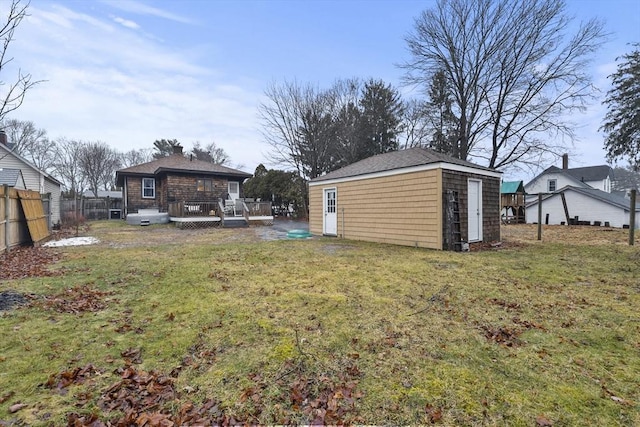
[(164, 147), (441, 117), (381, 118), (622, 122)]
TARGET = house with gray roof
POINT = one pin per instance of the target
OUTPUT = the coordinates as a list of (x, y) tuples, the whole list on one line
[(587, 196), (176, 179), (416, 197), (553, 178), (583, 206), (34, 179)]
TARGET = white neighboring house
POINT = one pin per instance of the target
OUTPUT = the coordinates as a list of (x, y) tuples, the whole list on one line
[(587, 192), (588, 204), (34, 179), (554, 178)]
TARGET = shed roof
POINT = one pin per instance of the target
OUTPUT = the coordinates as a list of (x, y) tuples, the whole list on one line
[(397, 160), (603, 196), (179, 163), (511, 187), (9, 177)]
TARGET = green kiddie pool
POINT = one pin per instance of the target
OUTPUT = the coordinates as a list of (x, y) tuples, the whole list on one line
[(298, 234)]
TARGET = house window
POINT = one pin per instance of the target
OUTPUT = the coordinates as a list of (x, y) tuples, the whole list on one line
[(205, 185), (551, 184), (148, 188)]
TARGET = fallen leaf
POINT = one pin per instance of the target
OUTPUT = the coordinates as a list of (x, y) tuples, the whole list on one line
[(16, 407), (542, 421), (6, 396)]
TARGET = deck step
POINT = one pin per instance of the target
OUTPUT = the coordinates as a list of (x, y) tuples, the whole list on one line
[(235, 222)]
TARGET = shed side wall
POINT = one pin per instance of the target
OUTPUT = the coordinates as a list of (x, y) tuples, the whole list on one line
[(402, 209), (458, 181)]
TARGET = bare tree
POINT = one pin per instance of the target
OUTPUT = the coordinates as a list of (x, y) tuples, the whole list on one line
[(30, 142), (98, 164), (136, 157), (515, 71), (67, 167), (297, 123), (12, 94), (626, 178), (415, 125), (210, 153)]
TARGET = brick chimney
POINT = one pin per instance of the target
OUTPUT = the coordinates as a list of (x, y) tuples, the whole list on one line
[(565, 161), (177, 149), (3, 138)]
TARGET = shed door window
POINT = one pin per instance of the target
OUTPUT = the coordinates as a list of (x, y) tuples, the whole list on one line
[(331, 202), (552, 183), (148, 188)]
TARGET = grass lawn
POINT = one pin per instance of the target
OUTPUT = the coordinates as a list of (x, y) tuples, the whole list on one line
[(155, 325)]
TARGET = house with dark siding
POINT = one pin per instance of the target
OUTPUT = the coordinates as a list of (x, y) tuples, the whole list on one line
[(416, 197), (176, 178)]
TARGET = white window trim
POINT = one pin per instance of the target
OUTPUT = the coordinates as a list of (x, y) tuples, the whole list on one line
[(555, 184), (153, 188)]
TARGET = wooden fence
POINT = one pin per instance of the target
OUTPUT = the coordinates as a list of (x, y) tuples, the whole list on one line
[(22, 218), (90, 208)]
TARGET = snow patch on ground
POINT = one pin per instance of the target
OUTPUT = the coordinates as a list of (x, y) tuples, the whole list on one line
[(73, 241)]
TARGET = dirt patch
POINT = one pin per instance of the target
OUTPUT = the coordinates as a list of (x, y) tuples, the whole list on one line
[(568, 234), (334, 248), (10, 299)]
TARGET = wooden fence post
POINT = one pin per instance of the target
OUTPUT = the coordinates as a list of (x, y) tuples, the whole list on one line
[(7, 211), (632, 217), (539, 216)]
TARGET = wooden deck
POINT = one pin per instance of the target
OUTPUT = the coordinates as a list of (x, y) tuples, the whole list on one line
[(240, 213)]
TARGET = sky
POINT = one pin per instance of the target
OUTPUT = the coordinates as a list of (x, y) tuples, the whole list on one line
[(130, 72)]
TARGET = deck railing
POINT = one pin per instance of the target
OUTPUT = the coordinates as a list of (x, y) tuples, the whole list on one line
[(217, 208), (189, 208), (258, 208)]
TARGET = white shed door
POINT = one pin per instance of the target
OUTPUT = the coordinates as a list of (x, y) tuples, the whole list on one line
[(475, 210), (330, 222)]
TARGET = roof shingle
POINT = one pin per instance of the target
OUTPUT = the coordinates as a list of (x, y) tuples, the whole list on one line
[(396, 160), (179, 163), (9, 176)]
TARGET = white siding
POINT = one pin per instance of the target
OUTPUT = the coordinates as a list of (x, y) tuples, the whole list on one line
[(582, 206), (54, 189), (33, 180), (540, 184), (603, 184), (30, 175)]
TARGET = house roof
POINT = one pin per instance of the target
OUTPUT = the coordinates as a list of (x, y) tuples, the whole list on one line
[(397, 160), (181, 164), (10, 177), (511, 187), (579, 175), (590, 173), (609, 198)]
